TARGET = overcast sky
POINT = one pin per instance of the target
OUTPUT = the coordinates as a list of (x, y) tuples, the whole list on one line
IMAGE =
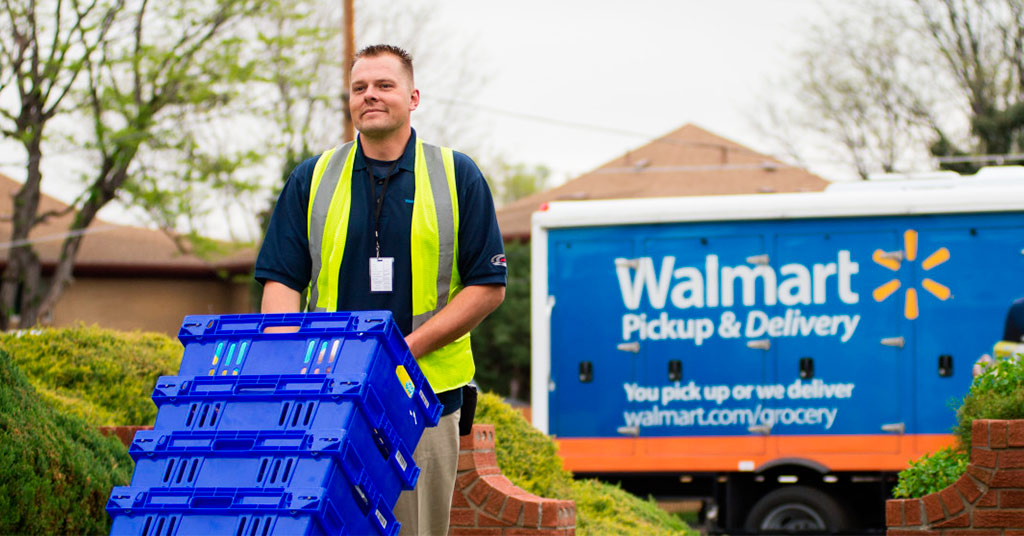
[(631, 73), (647, 69)]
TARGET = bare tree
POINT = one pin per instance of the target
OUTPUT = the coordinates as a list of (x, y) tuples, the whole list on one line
[(890, 83), (858, 88)]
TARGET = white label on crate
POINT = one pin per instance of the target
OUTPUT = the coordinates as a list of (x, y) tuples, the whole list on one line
[(401, 460), (380, 518), (424, 398)]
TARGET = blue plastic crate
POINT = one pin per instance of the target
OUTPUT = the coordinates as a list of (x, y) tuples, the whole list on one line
[(241, 512), (290, 402), (338, 460), (364, 345)]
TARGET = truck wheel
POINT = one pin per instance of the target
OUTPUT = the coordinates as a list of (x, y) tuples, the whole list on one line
[(796, 509)]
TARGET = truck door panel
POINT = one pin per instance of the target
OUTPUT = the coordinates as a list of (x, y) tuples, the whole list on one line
[(714, 365), (587, 369), (966, 277), (842, 383)]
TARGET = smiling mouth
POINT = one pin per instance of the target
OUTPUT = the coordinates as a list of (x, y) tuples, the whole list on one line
[(367, 112)]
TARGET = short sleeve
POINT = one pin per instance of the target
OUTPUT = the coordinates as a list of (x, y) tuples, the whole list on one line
[(481, 249), (284, 255)]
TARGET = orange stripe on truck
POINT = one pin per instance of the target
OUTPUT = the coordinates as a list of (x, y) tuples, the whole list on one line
[(882, 452)]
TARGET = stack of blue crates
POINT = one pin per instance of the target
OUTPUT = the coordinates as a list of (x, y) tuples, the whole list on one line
[(310, 431)]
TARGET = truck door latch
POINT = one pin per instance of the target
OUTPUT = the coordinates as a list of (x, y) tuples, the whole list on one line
[(890, 255), (898, 342), (633, 431), (627, 263), (760, 260), (762, 429), (633, 347), (760, 344), (896, 428)]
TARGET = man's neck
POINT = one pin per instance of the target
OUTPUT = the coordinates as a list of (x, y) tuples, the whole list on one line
[(387, 148)]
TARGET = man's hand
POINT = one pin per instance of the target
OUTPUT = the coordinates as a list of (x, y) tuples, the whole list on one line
[(463, 313)]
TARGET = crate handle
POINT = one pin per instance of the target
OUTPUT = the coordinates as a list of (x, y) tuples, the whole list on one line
[(210, 502), (234, 444)]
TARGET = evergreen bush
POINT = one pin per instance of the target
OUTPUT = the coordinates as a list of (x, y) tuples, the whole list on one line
[(501, 343), (997, 393), (530, 460), (103, 376), (56, 470)]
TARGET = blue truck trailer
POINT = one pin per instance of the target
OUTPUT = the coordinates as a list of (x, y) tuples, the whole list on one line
[(781, 357)]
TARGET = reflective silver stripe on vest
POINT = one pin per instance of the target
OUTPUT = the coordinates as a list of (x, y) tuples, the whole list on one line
[(445, 229), (318, 219)]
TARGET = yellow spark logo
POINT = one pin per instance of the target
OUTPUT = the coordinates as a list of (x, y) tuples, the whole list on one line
[(892, 262)]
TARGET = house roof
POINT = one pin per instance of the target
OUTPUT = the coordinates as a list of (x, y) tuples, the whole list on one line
[(112, 249), (685, 162)]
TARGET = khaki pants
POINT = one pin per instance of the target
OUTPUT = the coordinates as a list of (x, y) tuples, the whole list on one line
[(425, 510)]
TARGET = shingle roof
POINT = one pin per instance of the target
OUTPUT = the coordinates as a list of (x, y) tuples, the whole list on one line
[(687, 161), (113, 249)]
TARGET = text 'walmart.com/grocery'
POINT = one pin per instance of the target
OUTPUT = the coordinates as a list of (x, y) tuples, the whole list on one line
[(659, 415)]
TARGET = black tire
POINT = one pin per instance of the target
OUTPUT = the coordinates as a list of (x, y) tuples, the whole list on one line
[(794, 510)]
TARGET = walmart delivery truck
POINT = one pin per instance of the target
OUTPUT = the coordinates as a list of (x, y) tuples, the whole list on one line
[(779, 356)]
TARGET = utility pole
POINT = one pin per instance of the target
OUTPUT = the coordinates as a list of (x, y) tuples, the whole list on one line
[(348, 36)]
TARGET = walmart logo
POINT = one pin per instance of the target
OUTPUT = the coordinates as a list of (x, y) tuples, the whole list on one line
[(892, 261)]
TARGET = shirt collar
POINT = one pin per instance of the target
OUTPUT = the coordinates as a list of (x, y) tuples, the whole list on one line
[(407, 161)]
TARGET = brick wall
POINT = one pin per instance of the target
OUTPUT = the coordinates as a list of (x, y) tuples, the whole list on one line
[(987, 500), (125, 433), (485, 503)]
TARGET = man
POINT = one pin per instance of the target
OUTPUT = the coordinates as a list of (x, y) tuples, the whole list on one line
[(389, 222), (1013, 329)]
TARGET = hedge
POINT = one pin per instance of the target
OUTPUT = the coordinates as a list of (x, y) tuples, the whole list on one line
[(530, 460), (56, 470), (103, 376)]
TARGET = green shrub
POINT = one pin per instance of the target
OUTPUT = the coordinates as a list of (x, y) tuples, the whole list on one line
[(932, 472), (530, 460), (998, 393), (56, 470), (103, 376)]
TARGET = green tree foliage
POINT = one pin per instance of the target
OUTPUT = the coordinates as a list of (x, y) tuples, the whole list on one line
[(56, 470), (102, 376), (144, 81), (998, 393), (529, 459), (501, 343), (510, 182)]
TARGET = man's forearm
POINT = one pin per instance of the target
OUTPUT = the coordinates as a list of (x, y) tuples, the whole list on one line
[(462, 314), (279, 298)]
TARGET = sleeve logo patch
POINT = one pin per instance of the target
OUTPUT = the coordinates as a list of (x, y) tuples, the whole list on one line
[(498, 260)]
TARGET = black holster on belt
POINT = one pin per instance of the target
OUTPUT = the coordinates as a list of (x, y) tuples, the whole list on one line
[(468, 409)]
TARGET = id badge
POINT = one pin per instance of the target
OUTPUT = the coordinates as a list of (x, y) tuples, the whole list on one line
[(382, 274)]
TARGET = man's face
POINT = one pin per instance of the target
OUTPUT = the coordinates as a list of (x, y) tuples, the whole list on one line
[(382, 96)]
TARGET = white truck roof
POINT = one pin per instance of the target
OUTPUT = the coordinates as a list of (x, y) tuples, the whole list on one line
[(996, 189)]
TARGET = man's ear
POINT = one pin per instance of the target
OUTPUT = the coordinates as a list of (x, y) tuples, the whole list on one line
[(414, 102)]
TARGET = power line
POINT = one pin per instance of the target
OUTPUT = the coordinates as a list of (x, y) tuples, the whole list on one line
[(55, 237), (596, 128)]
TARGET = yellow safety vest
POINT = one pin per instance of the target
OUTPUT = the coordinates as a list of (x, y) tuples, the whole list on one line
[(434, 247)]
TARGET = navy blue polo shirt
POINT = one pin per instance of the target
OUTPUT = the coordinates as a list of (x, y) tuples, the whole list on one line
[(284, 256)]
